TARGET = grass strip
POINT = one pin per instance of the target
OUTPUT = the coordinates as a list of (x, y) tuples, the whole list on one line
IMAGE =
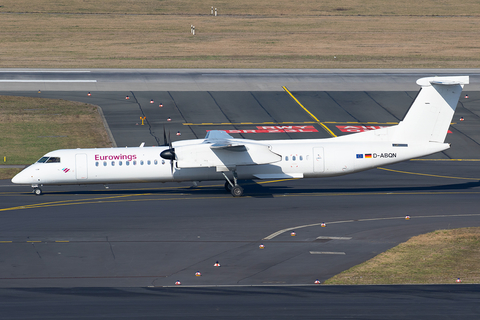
[(31, 127), (437, 257)]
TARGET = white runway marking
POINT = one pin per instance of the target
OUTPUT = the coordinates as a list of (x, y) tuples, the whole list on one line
[(333, 238), (55, 81), (326, 252), (275, 234)]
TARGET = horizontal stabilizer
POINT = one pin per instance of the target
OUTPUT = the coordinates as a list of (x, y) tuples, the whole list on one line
[(446, 81)]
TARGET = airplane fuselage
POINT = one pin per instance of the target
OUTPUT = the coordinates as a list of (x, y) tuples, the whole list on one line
[(298, 159)]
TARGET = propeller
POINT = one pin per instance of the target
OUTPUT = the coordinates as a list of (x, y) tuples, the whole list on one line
[(168, 154), (165, 143)]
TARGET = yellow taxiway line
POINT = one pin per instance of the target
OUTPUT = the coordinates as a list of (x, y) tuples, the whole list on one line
[(427, 175), (311, 114)]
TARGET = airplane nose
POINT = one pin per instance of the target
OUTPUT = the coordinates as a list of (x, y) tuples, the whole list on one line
[(20, 178)]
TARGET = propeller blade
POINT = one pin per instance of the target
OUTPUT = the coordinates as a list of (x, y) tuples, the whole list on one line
[(172, 151), (165, 143)]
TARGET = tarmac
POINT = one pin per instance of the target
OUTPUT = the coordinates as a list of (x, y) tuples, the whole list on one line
[(152, 235)]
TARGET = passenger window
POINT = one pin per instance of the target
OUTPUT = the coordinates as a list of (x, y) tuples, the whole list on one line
[(113, 163), (149, 162), (301, 158), (294, 158), (104, 163), (286, 158), (155, 162), (42, 159), (163, 161), (127, 163), (134, 162), (120, 163), (96, 164), (141, 162)]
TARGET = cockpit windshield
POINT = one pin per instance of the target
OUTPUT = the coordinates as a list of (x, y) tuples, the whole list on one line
[(42, 159), (49, 160)]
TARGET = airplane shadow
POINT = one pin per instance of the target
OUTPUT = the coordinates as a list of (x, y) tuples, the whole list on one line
[(282, 189), (262, 190)]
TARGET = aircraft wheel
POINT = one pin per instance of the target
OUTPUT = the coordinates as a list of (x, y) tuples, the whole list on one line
[(237, 191), (228, 187), (37, 191)]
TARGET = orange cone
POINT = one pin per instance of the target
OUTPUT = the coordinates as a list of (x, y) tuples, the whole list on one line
[(89, 94), (178, 133), (317, 281), (293, 234), (458, 280), (407, 217), (151, 101), (261, 246), (177, 283), (160, 105), (198, 274), (127, 97), (323, 224), (461, 119), (216, 264)]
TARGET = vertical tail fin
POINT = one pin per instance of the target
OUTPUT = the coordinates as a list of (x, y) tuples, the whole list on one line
[(431, 113)]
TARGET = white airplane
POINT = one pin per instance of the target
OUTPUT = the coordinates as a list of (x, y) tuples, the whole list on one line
[(220, 156)]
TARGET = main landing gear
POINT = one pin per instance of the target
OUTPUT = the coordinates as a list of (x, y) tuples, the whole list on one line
[(234, 188)]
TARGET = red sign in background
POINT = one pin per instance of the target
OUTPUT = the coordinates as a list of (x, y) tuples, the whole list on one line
[(362, 128), (275, 129)]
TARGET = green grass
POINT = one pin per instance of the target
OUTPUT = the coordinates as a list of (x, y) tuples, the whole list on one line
[(441, 256), (32, 127)]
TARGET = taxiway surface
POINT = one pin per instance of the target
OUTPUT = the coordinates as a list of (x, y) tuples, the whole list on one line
[(153, 235)]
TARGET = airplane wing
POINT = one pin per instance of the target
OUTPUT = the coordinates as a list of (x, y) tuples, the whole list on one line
[(222, 151)]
